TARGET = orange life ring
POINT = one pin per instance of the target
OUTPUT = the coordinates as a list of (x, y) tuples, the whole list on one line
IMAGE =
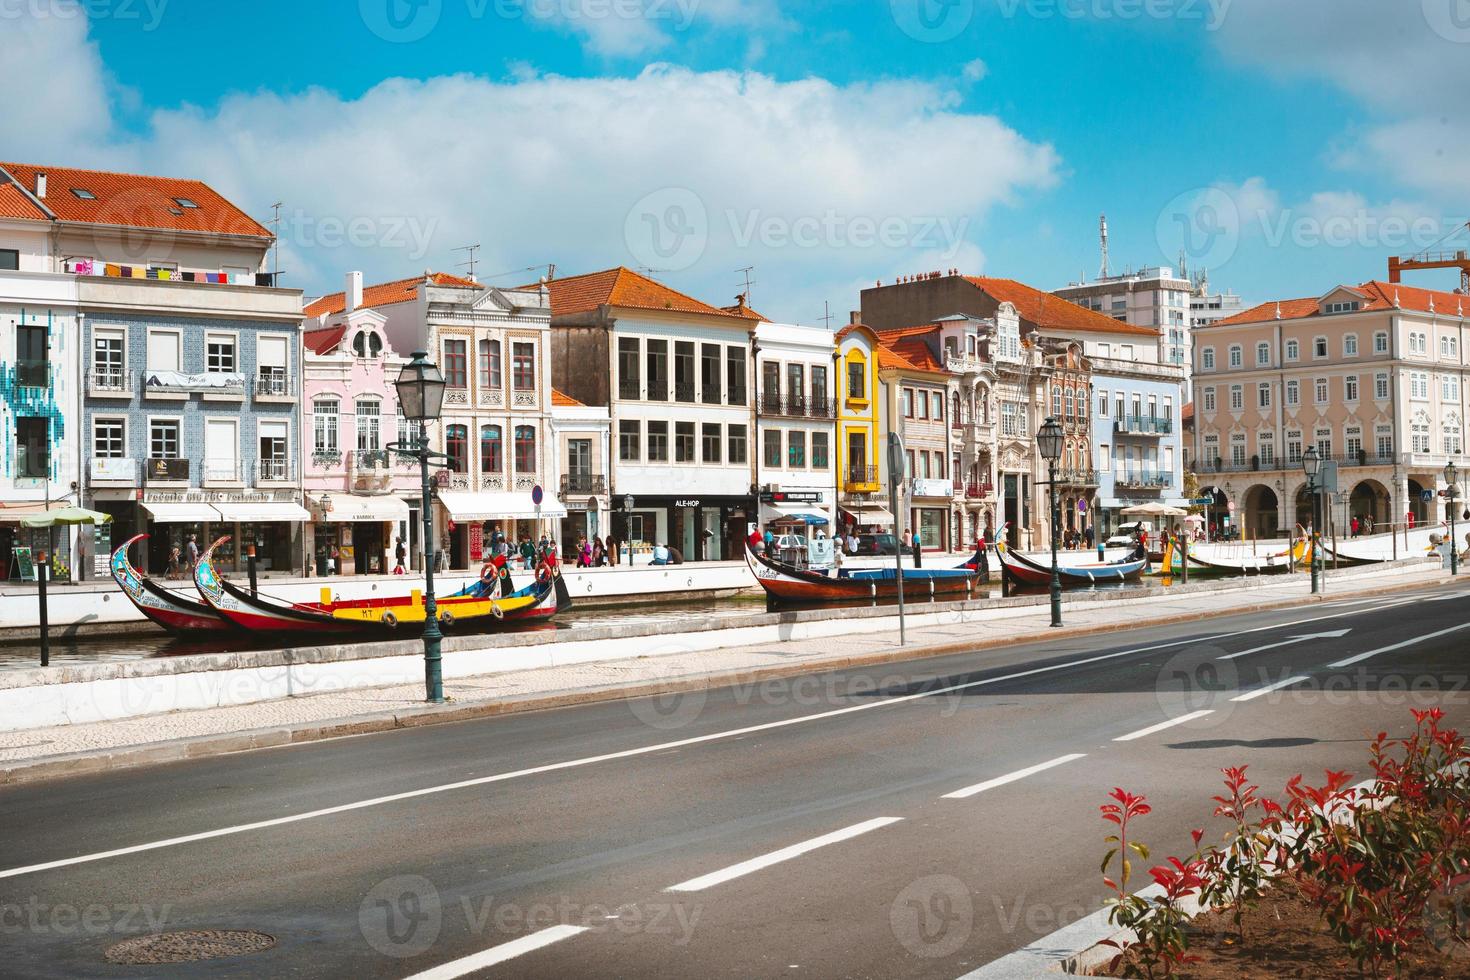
[(543, 573), (488, 573)]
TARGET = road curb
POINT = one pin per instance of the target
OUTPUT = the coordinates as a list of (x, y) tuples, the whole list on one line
[(201, 746)]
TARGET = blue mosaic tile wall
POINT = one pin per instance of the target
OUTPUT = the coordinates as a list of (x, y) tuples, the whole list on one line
[(138, 410), (17, 401)]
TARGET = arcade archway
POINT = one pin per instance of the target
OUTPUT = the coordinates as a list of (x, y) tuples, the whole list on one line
[(1262, 511)]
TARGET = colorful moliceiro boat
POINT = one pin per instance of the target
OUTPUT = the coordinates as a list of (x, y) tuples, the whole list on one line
[(168, 608), (481, 602), (1036, 569), (787, 583), (1374, 548), (1234, 558)]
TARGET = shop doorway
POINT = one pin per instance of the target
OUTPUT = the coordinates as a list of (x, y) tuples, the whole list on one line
[(367, 548)]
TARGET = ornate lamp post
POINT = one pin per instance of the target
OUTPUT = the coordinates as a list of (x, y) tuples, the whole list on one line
[(420, 397), (1451, 482), (1312, 465), (1049, 440)]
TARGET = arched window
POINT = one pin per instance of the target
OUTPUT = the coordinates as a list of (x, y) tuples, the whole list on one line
[(525, 449), (369, 431), (359, 344), (456, 447), (1067, 396), (367, 343), (492, 449)]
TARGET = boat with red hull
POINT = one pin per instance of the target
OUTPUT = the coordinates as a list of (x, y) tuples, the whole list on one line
[(478, 603), (1026, 570), (167, 608), (788, 584)]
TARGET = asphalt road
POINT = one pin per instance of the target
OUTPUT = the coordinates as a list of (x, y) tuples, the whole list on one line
[(919, 820)]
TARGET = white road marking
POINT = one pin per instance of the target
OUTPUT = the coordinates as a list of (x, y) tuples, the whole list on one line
[(632, 753), (1164, 724), (1399, 646), (1252, 695), (1334, 634), (776, 857), (969, 791), (499, 954)]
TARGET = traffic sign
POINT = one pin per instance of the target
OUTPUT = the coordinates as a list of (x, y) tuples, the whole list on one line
[(1427, 496), (1082, 506), (1231, 506), (537, 495), (1202, 501)]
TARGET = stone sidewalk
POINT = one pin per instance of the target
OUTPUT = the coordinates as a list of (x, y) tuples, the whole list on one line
[(47, 752)]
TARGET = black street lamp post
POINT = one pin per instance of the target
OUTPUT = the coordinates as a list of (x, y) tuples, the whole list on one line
[(420, 397), (1049, 439), (1312, 465), (1451, 482)]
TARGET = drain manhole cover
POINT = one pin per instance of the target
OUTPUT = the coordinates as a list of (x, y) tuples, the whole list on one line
[(188, 947)]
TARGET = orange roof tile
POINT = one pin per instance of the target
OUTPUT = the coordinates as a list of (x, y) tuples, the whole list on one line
[(560, 399), (740, 309), (386, 293), (15, 204), (136, 201), (890, 358), (918, 353), (624, 288), (1187, 412), (1050, 312), (1377, 295)]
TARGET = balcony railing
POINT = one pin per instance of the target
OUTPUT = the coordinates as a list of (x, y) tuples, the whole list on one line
[(684, 392), (821, 408), (737, 396), (630, 390), (1143, 480), (979, 491), (271, 383), (710, 395), (1147, 425), (583, 484), (1078, 478), (368, 460), (275, 469), (113, 469), (110, 383), (1258, 464), (860, 479), (166, 470), (221, 471), (795, 406)]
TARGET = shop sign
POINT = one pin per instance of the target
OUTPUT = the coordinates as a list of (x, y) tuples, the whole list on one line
[(218, 496), (933, 488), (687, 503), (791, 497), (168, 469)]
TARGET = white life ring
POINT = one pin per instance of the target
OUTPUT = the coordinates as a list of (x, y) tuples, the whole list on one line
[(389, 620)]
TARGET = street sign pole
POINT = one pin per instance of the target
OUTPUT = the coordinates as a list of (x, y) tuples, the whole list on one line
[(895, 474)]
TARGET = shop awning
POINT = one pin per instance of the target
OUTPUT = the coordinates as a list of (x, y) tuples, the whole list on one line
[(263, 512), (497, 506), (869, 516), (181, 513), (804, 513), (355, 507)]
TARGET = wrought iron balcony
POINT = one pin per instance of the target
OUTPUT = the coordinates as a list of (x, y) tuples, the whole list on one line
[(1077, 478), (109, 382), (860, 479), (1143, 425), (979, 491), (580, 484), (275, 469), (1143, 480), (274, 383)]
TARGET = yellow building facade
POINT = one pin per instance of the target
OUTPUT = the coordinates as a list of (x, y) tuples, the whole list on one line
[(859, 442)]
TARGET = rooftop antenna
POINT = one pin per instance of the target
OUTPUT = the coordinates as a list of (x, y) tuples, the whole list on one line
[(748, 282), (470, 262), (1103, 231), (275, 223), (1183, 264), (827, 314)]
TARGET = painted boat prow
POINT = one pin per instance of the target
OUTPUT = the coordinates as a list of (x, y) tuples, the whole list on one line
[(167, 608)]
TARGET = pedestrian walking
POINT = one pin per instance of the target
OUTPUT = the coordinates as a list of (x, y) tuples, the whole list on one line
[(918, 552), (191, 552), (173, 570), (527, 553)]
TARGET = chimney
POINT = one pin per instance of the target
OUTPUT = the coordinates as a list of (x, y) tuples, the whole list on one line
[(354, 291), (41, 186), (855, 317)]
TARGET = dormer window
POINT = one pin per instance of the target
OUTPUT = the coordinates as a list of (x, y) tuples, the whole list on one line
[(1344, 307), (367, 344), (84, 194)]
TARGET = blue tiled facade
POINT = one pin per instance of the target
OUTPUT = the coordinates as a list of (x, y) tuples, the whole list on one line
[(139, 409)]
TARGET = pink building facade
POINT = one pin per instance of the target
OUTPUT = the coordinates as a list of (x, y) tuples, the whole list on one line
[(1372, 375), (358, 492)]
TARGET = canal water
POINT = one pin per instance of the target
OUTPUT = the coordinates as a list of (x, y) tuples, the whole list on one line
[(145, 643)]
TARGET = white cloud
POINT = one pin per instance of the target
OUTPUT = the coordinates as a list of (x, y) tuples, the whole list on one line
[(975, 70), (59, 90), (1409, 62), (816, 184)]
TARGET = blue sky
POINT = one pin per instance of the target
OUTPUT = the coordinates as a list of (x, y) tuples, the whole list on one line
[(829, 143)]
